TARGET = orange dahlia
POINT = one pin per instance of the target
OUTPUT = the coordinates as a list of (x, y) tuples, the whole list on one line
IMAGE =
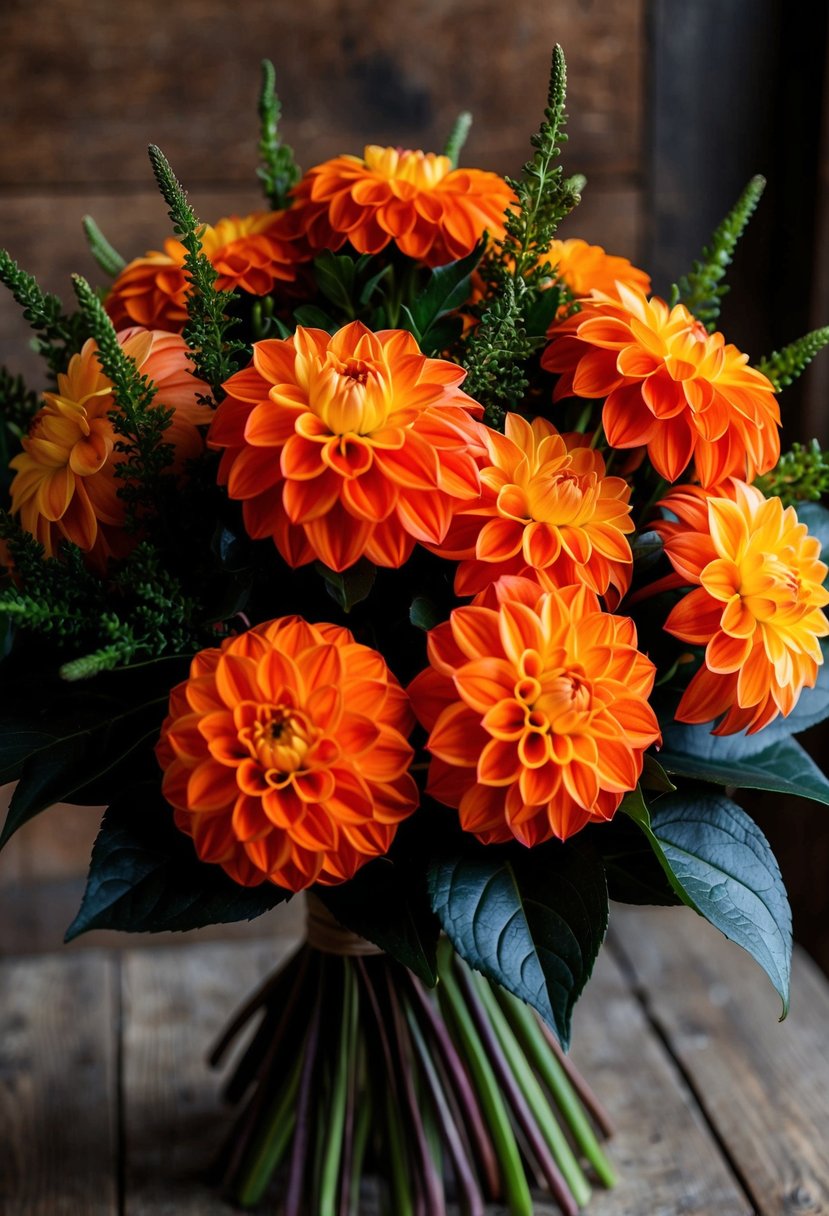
[(345, 446), (251, 253), (584, 268), (432, 212), (685, 393), (65, 485), (285, 755), (756, 604), (537, 710), (546, 510)]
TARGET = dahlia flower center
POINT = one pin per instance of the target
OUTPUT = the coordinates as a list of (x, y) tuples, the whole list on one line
[(552, 698), (423, 170), (561, 499), (280, 740), (351, 396)]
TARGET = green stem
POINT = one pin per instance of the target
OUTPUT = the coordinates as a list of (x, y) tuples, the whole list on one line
[(270, 1150), (516, 1190), (399, 1176), (335, 1128), (533, 1093), (524, 1022), (361, 1133)]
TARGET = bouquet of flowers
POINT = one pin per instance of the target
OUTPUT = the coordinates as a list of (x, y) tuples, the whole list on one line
[(383, 546)]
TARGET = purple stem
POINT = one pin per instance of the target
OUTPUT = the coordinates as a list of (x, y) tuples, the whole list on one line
[(262, 996), (470, 1108), (451, 1133), (299, 1149), (514, 1096), (586, 1095), (434, 1192)]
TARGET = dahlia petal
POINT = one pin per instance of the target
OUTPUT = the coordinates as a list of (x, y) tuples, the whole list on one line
[(596, 374), (236, 679), (457, 736), (211, 787), (627, 420), (696, 618), (481, 810), (539, 783), (476, 633), (519, 630)]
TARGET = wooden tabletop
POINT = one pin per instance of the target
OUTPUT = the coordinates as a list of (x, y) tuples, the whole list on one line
[(107, 1108)]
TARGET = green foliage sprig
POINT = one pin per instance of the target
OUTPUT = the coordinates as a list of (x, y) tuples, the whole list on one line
[(801, 475), (784, 366), (140, 423), (498, 350), (279, 172), (208, 326), (107, 257), (702, 290), (61, 598), (57, 336), (457, 137)]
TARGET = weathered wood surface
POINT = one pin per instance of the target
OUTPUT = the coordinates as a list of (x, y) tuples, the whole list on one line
[(58, 1111), (718, 1108), (763, 1085)]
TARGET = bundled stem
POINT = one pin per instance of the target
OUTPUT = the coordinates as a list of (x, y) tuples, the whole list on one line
[(356, 1070)]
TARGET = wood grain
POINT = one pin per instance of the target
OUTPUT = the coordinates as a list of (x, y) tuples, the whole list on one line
[(58, 1033), (763, 1085), (91, 83), (175, 1003), (666, 1158)]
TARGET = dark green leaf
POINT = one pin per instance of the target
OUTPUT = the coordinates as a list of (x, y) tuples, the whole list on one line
[(542, 312), (752, 761), (370, 286), (634, 874), (315, 318), (82, 754), (335, 275), (145, 877), (647, 550), (532, 920), (17, 743), (380, 904), (352, 586), (654, 776), (725, 869), (423, 613), (447, 289)]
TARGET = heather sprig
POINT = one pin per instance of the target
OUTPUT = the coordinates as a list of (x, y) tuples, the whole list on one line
[(209, 325), (702, 289), (57, 335), (278, 172), (784, 366), (457, 137), (498, 350), (137, 420)]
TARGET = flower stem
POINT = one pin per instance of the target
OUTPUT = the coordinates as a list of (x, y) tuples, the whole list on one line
[(335, 1124), (516, 1190), (279, 1128), (554, 1077)]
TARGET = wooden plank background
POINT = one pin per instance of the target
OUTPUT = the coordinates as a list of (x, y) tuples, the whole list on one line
[(672, 106)]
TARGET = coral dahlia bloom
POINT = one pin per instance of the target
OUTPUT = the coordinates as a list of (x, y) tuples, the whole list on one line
[(432, 212), (285, 755), (250, 253), (686, 394), (546, 510), (584, 268), (756, 604), (346, 446), (537, 710), (65, 485)]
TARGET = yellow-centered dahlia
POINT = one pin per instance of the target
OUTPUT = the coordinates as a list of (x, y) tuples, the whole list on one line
[(756, 605), (347, 446), (285, 755), (430, 211), (249, 252), (669, 384), (537, 711), (547, 510), (65, 485)]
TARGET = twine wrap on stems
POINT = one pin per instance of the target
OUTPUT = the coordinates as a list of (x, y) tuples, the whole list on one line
[(324, 932)]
